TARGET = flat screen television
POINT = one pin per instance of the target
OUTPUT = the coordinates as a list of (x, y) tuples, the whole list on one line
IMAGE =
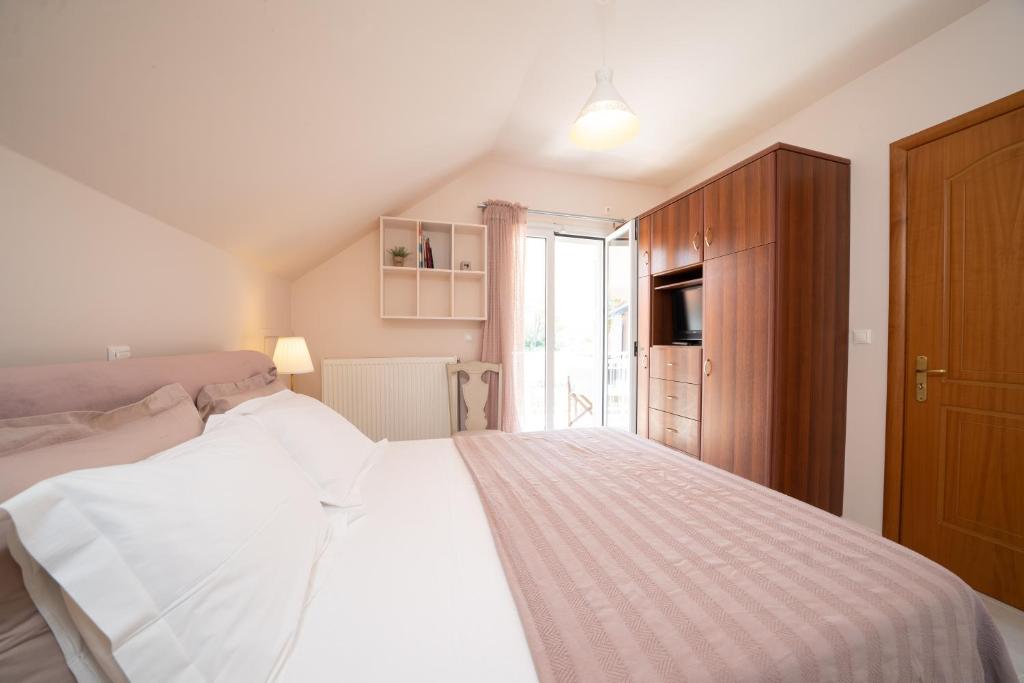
[(687, 315)]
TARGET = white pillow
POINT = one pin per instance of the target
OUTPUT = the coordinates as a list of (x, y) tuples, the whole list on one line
[(328, 447), (195, 564)]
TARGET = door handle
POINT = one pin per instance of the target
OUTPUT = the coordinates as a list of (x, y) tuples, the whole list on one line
[(707, 367), (921, 374), (696, 241), (707, 235)]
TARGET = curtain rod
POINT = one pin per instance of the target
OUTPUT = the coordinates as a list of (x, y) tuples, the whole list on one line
[(577, 216)]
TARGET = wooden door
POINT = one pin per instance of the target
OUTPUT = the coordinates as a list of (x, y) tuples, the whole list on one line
[(739, 209), (962, 498), (643, 246), (735, 404), (643, 353), (677, 234)]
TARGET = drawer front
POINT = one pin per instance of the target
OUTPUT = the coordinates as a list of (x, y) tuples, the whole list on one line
[(676, 363), (680, 433), (677, 398)]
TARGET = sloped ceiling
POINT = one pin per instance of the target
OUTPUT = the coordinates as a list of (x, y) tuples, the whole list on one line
[(278, 129)]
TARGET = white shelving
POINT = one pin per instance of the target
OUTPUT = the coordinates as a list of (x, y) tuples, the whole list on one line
[(446, 291)]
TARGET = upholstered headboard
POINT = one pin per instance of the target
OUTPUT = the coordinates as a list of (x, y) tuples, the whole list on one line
[(102, 385)]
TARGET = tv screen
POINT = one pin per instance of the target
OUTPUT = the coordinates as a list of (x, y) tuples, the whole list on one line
[(687, 310)]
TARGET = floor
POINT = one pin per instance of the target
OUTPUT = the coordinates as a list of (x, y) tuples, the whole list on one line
[(1011, 624)]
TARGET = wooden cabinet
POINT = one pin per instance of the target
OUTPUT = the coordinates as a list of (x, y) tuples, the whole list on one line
[(677, 234), (737, 364), (643, 352), (739, 209), (766, 393), (643, 246)]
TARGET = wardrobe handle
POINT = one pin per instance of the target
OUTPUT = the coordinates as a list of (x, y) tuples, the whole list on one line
[(646, 256), (696, 241), (707, 235), (707, 367)]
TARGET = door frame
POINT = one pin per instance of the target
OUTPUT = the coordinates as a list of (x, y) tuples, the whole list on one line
[(550, 233), (897, 352), (629, 230)]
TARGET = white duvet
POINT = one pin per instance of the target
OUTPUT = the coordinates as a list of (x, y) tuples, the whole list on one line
[(417, 592)]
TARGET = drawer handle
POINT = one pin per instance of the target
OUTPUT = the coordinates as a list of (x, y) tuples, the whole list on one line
[(668, 365), (671, 429), (671, 397), (707, 367)]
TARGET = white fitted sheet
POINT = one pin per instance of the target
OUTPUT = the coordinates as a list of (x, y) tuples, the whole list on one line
[(417, 592)]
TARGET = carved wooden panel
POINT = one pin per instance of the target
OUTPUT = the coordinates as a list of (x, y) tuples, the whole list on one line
[(983, 467), (985, 211)]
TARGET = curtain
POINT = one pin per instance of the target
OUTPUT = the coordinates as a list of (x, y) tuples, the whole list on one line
[(502, 338)]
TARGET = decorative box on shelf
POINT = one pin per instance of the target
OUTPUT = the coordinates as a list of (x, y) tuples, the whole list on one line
[(432, 270)]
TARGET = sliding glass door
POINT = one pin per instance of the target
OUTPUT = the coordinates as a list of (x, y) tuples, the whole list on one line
[(577, 330)]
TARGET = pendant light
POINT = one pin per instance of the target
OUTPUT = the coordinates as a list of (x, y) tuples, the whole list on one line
[(606, 121)]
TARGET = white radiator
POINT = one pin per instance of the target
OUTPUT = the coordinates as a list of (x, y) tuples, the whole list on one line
[(390, 398)]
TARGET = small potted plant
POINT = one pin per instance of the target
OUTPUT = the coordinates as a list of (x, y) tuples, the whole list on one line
[(398, 255)]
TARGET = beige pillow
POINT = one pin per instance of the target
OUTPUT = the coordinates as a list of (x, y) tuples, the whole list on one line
[(214, 399), (28, 650)]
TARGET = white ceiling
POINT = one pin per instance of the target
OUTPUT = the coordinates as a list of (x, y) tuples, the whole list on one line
[(278, 129)]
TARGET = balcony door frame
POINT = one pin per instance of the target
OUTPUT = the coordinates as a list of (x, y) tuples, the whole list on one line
[(550, 233)]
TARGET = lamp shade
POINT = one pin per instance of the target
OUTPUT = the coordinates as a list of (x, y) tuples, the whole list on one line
[(606, 121), (291, 356)]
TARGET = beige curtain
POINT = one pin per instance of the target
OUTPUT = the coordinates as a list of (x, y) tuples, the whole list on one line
[(502, 339)]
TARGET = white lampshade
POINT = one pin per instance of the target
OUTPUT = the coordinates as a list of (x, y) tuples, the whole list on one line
[(605, 121), (292, 357)]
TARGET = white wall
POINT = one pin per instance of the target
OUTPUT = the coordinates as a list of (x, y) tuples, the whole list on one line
[(975, 60), (79, 271), (336, 306)]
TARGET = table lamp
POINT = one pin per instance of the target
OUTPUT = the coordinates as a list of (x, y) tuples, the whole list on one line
[(291, 356)]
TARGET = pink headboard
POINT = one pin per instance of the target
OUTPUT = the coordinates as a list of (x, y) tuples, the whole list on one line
[(102, 385)]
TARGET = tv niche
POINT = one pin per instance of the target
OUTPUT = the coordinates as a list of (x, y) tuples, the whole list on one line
[(677, 308), (687, 315)]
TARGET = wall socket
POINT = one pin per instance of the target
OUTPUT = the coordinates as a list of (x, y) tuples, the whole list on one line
[(119, 352)]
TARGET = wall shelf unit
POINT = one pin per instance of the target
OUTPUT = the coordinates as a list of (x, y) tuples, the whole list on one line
[(412, 291)]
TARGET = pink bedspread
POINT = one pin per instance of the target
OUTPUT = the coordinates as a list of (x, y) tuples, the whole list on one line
[(630, 562)]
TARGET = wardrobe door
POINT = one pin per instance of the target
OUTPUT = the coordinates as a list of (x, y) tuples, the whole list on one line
[(676, 234), (735, 409), (643, 246), (663, 238), (643, 353), (739, 209)]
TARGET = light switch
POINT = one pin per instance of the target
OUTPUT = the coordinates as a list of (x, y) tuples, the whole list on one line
[(119, 352), (862, 336)]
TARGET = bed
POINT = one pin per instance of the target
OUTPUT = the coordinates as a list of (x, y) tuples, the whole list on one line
[(594, 555)]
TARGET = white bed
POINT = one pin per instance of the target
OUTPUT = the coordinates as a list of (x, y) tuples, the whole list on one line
[(417, 592)]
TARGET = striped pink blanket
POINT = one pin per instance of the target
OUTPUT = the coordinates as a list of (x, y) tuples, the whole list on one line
[(629, 562)]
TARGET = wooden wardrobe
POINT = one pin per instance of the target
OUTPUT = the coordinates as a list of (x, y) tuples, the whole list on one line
[(764, 394)]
